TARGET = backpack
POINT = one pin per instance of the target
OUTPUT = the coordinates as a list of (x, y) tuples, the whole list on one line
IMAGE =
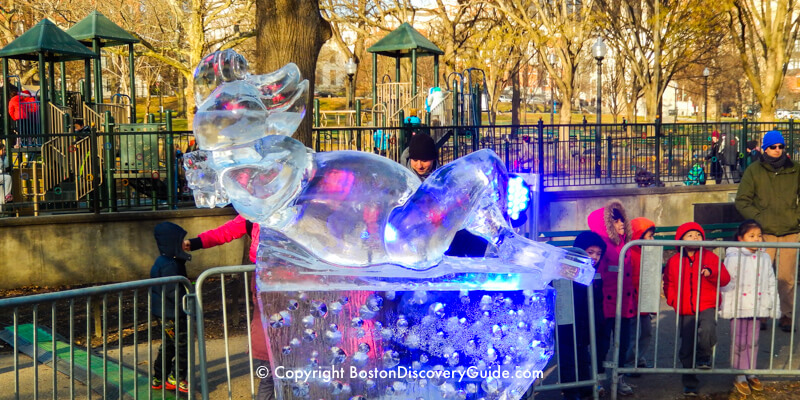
[(697, 176)]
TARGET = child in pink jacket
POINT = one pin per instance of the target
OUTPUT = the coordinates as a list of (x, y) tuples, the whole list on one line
[(612, 224), (227, 232)]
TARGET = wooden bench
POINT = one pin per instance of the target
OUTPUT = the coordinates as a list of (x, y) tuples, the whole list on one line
[(713, 232)]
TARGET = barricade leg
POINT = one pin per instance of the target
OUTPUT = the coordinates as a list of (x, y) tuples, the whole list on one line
[(786, 270)]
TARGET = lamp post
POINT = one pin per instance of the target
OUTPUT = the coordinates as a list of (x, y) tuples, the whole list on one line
[(552, 59), (599, 53), (160, 99), (706, 73), (350, 70), (676, 103)]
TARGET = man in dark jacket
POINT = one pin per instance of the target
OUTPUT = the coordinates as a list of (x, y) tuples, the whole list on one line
[(729, 154), (714, 157), (170, 262), (768, 193)]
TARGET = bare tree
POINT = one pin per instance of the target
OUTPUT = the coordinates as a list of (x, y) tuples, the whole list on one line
[(454, 28), (614, 87), (563, 27), (659, 38), (764, 33), (178, 33), (499, 47)]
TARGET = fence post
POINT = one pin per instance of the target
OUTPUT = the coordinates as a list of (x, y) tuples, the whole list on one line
[(455, 103), (658, 150), (151, 118), (358, 123), (171, 173), (790, 146), (455, 142), (316, 113), (111, 160), (401, 134), (94, 157), (540, 142), (598, 151), (743, 144), (610, 157), (476, 136), (317, 142), (507, 153)]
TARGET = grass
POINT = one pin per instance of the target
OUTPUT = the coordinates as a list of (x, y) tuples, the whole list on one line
[(169, 103)]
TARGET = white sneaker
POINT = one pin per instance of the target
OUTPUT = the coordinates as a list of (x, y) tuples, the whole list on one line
[(623, 389)]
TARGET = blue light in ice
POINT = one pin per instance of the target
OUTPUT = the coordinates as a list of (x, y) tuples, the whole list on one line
[(390, 234), (518, 196)]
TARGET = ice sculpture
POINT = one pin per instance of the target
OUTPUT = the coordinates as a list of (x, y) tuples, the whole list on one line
[(351, 274)]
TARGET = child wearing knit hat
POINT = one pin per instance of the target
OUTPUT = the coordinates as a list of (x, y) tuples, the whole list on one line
[(422, 155), (694, 265)]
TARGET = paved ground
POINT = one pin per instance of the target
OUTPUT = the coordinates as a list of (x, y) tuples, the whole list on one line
[(716, 386), (649, 386)]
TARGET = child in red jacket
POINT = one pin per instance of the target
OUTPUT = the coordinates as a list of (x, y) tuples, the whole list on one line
[(691, 285), (643, 229)]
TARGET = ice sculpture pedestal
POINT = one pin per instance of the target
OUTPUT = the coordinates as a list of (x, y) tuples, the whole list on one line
[(475, 335)]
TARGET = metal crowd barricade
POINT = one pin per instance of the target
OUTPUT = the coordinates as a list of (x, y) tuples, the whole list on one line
[(231, 366), (650, 289), (569, 371), (76, 361), (246, 274)]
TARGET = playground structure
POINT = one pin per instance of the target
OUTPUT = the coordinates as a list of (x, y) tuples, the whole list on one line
[(54, 163), (393, 100)]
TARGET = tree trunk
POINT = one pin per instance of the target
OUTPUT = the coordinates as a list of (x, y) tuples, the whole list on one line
[(291, 31), (767, 102), (188, 96), (148, 102), (182, 98), (188, 104), (565, 108), (515, 98), (651, 100)]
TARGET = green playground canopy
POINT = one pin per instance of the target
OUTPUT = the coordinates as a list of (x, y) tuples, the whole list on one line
[(98, 26), (48, 39), (404, 42), (401, 41)]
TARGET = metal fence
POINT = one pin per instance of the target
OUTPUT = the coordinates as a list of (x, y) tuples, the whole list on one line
[(577, 154), (585, 344), (241, 292), (718, 355), (116, 167), (95, 337), (146, 172)]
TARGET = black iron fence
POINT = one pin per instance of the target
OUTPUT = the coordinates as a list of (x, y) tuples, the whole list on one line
[(581, 154), (139, 166), (115, 167)]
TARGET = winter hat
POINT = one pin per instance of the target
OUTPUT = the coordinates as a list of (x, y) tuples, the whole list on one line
[(422, 147), (752, 144), (772, 138), (689, 226), (587, 239), (715, 134), (640, 226)]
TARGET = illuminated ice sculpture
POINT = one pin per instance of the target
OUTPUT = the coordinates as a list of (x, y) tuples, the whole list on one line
[(357, 297)]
